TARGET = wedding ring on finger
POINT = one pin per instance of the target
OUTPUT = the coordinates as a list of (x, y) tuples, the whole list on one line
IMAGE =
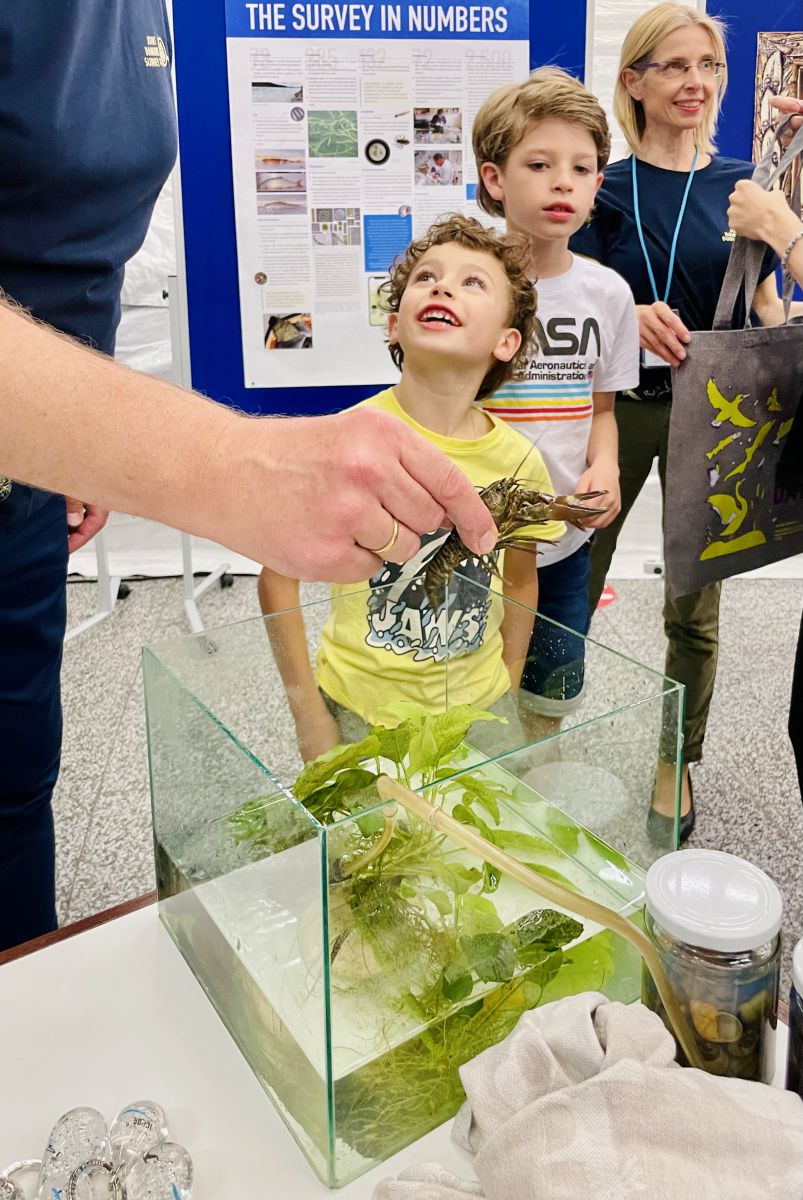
[(383, 550)]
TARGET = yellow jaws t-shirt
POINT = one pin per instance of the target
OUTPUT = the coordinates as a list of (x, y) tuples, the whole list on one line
[(386, 644)]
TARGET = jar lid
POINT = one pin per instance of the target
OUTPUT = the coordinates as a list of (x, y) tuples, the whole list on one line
[(713, 900)]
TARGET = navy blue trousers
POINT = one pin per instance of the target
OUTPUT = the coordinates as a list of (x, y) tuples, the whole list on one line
[(33, 545)]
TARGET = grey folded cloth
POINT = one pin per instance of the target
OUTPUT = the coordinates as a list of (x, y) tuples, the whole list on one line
[(583, 1101)]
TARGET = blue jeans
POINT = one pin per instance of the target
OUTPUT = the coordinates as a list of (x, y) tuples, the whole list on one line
[(555, 669), (33, 544)]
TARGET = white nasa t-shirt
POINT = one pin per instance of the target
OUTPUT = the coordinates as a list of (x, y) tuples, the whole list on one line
[(588, 341)]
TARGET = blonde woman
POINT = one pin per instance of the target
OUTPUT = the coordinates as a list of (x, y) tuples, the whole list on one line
[(661, 221)]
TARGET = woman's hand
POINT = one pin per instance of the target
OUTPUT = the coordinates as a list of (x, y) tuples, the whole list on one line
[(789, 104), (662, 332), (756, 213)]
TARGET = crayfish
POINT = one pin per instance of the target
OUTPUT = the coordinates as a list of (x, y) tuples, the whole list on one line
[(513, 507)]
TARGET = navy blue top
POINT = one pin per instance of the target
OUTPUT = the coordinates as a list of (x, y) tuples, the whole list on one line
[(87, 139), (702, 252)]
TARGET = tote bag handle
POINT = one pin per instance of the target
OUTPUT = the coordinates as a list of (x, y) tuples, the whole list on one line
[(747, 255)]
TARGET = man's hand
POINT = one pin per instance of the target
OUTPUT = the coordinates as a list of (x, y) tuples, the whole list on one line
[(325, 493), (662, 332), (603, 476), (83, 522)]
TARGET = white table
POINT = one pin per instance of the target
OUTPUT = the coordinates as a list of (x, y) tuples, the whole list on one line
[(114, 1015)]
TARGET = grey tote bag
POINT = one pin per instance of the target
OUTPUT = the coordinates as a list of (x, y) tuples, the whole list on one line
[(734, 487)]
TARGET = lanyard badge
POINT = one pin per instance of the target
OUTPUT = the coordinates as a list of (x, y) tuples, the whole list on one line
[(648, 359)]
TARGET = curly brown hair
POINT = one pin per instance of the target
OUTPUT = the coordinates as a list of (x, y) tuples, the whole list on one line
[(512, 250), (547, 94)]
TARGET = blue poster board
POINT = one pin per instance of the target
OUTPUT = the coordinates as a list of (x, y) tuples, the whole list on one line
[(745, 19), (208, 203)]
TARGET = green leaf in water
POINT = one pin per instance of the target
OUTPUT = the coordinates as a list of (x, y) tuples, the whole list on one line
[(548, 928), (394, 743), (519, 844), (449, 728), (490, 956), (456, 981), (549, 873), (423, 754), (491, 877), (478, 791), (466, 816), (477, 915), (439, 899), (455, 877), (532, 956), (326, 766)]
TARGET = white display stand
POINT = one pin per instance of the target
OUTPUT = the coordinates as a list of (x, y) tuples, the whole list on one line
[(114, 1015), (109, 588), (179, 339)]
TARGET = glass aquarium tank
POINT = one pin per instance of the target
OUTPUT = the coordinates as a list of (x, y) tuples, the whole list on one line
[(357, 952)]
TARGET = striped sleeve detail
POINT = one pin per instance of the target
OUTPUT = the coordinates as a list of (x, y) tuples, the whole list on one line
[(543, 401)]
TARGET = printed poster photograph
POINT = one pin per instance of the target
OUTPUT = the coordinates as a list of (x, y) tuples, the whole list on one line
[(348, 140)]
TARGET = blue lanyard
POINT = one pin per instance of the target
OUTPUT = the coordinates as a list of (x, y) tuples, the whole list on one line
[(681, 215)]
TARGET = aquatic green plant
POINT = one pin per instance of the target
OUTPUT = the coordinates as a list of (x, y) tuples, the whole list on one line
[(414, 913), (416, 936)]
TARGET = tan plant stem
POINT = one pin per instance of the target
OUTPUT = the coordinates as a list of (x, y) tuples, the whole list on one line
[(373, 851), (548, 889)]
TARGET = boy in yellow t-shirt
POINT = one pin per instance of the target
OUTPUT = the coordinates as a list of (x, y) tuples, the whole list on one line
[(461, 319)]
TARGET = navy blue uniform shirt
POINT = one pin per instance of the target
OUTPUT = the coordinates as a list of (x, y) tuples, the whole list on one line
[(703, 245), (87, 139)]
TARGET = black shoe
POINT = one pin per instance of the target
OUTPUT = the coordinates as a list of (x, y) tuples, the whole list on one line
[(661, 827)]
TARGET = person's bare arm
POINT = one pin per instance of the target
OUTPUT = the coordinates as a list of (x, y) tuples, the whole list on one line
[(767, 217), (316, 728), (520, 584), (602, 474), (769, 305), (304, 495)]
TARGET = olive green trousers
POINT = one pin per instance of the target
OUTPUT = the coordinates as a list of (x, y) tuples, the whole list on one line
[(691, 622)]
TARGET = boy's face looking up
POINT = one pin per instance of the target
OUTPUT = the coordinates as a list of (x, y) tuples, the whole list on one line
[(549, 182), (455, 309)]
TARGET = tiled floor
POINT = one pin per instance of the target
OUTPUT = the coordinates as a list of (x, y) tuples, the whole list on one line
[(746, 789)]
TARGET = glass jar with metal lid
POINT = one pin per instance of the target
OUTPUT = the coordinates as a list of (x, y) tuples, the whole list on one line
[(716, 921)]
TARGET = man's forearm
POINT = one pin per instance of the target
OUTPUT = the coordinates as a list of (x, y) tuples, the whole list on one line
[(304, 495), (114, 437)]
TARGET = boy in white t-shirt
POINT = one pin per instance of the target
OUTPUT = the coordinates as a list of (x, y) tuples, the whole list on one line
[(540, 147)]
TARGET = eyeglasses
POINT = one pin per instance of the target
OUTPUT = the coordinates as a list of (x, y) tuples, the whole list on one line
[(673, 68)]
